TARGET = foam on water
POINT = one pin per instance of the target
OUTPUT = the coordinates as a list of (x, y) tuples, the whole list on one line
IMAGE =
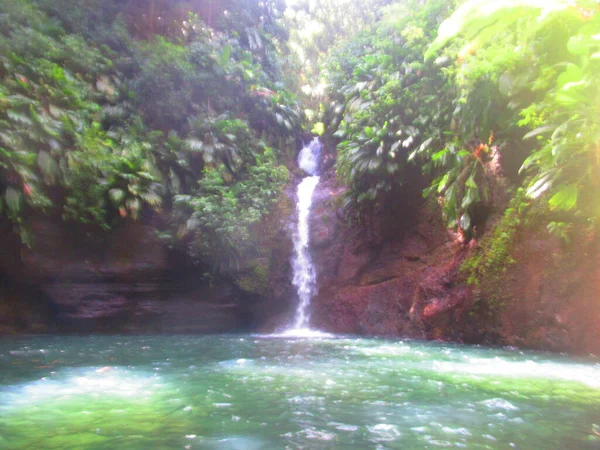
[(301, 333), (308, 160), (114, 382)]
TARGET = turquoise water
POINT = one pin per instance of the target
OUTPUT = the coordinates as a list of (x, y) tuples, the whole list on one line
[(249, 392)]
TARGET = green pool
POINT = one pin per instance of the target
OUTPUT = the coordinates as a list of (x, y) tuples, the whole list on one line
[(250, 392)]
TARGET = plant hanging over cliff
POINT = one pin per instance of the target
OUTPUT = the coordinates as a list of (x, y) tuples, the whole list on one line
[(112, 112), (541, 59), (500, 85)]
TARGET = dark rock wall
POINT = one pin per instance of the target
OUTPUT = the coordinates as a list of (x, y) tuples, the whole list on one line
[(123, 282)]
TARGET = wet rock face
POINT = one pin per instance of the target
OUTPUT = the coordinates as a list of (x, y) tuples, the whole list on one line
[(126, 282), (552, 294), (399, 275), (377, 279)]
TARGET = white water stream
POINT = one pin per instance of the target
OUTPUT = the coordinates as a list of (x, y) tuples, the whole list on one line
[(304, 270)]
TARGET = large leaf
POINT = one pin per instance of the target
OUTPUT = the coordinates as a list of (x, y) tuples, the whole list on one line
[(14, 200), (134, 206), (19, 117), (194, 145), (565, 199), (116, 196), (540, 186), (572, 74), (539, 131), (471, 196), (48, 166), (465, 221)]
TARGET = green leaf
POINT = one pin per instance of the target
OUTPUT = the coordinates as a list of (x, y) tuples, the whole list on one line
[(539, 131), (571, 98), (565, 199), (425, 144), (540, 186), (318, 129), (151, 198), (14, 200), (471, 182), (18, 117), (471, 196), (225, 55), (465, 221), (116, 196), (194, 145), (175, 181), (578, 45), (439, 154), (443, 182), (134, 205), (572, 74), (340, 133), (48, 166)]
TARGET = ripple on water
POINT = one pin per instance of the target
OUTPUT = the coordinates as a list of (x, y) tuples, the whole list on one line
[(499, 403), (232, 394), (439, 442), (343, 426), (384, 432), (459, 431), (317, 435), (234, 363)]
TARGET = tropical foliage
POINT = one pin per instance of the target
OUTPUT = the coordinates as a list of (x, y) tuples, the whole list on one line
[(538, 83), (316, 27), (112, 112), (385, 100), (496, 88)]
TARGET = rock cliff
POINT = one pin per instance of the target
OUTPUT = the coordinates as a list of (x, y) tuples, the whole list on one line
[(126, 282), (400, 275)]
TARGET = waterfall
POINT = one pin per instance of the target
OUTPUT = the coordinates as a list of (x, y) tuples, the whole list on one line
[(304, 271)]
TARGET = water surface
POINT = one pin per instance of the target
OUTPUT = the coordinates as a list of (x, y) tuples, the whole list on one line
[(249, 392)]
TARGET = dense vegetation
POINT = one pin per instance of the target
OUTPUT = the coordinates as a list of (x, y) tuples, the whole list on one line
[(315, 28), (472, 92), (113, 111)]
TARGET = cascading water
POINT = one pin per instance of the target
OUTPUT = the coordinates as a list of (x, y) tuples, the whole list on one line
[(304, 271)]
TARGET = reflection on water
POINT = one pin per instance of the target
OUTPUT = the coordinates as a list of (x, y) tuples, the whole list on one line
[(253, 392)]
